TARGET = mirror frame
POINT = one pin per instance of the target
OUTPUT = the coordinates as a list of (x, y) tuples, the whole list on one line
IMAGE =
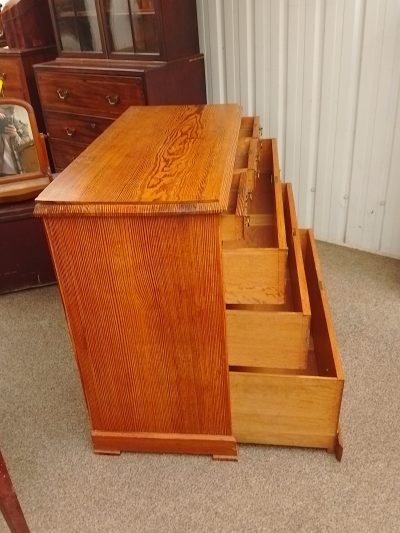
[(27, 185)]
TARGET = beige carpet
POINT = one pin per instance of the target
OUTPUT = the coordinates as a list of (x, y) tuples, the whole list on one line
[(64, 487)]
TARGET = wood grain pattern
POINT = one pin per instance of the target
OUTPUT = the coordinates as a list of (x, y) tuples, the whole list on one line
[(253, 275), (163, 159), (246, 153), (231, 228), (295, 257), (322, 329), (217, 445), (232, 220), (86, 94), (255, 266), (280, 215), (285, 410), (75, 127), (275, 160), (250, 127), (144, 304), (241, 205), (279, 337), (294, 410), (267, 338), (27, 24)]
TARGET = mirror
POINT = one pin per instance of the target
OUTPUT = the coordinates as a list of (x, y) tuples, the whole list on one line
[(24, 165)]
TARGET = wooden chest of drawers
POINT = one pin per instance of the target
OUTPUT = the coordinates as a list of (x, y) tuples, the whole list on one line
[(16, 73), (194, 302), (81, 98)]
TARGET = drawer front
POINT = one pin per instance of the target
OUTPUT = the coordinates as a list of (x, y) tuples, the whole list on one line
[(76, 128), (64, 152), (292, 408), (267, 339), (254, 266), (89, 94), (13, 81), (285, 410), (254, 275), (274, 336)]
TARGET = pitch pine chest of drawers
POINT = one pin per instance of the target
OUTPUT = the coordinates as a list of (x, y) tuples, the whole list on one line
[(194, 302)]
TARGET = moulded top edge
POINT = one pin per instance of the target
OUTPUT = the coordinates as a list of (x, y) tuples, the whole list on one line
[(154, 159)]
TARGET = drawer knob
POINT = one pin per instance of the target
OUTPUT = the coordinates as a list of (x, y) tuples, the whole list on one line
[(62, 93), (112, 99), (70, 131), (93, 125)]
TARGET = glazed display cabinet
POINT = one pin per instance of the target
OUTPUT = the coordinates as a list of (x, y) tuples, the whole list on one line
[(140, 29), (114, 54)]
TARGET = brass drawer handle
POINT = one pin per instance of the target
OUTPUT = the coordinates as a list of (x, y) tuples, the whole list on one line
[(112, 99), (62, 93), (70, 131)]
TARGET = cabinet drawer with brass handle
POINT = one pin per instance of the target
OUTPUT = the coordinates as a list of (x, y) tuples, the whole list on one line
[(81, 129), (89, 94)]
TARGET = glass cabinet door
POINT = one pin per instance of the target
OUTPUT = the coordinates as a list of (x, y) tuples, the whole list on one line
[(78, 25), (131, 26)]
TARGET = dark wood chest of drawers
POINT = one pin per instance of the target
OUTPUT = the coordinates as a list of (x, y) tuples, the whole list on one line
[(16, 72), (80, 99)]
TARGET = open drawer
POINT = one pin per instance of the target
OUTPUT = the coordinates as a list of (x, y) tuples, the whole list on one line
[(232, 222), (247, 158), (295, 407), (250, 127), (268, 158), (254, 266), (274, 336), (255, 195)]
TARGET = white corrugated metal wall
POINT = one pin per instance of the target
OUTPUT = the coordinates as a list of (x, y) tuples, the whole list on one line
[(324, 77)]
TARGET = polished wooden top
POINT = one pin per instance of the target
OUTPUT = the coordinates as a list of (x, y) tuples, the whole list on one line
[(154, 159)]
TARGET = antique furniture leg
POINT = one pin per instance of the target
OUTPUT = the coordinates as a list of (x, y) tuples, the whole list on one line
[(337, 447), (9, 504)]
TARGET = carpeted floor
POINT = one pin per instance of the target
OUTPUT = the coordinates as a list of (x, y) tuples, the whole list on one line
[(64, 487)]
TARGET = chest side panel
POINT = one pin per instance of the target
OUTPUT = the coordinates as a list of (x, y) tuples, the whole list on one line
[(144, 301)]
